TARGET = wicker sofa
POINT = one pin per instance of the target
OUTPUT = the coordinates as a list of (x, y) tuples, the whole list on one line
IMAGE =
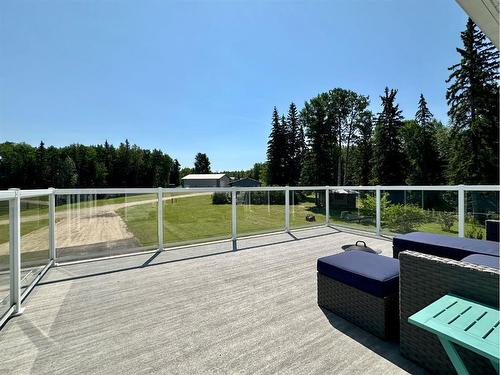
[(425, 278), (444, 246)]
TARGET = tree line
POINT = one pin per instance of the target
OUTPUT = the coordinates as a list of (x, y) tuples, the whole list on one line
[(336, 140), (25, 166)]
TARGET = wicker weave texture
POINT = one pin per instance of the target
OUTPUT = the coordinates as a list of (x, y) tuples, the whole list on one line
[(376, 315), (426, 278)]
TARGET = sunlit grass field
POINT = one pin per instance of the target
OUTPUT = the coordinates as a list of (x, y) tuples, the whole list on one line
[(196, 219)]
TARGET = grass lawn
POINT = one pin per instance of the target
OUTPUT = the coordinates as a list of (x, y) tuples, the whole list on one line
[(196, 218)]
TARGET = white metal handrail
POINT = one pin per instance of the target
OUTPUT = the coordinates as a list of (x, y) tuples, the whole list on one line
[(14, 196), (264, 189)]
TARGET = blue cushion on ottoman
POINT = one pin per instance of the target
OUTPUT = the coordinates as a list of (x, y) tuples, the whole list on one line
[(483, 260), (374, 274), (445, 246)]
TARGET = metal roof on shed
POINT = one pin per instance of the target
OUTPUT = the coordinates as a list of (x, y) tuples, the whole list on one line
[(210, 176)]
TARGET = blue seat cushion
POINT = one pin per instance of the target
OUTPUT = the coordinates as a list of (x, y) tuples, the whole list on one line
[(374, 274), (444, 246), (483, 260)]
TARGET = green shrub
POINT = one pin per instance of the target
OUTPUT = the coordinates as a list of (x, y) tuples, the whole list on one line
[(473, 230), (446, 219), (221, 198), (404, 218), (368, 205)]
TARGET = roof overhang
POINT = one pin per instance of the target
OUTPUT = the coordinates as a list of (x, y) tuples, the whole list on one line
[(484, 13)]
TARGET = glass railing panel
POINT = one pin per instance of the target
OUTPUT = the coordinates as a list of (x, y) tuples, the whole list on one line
[(260, 212), (404, 211), (34, 237), (4, 258), (354, 209), (307, 208), (479, 207), (196, 217), (99, 225)]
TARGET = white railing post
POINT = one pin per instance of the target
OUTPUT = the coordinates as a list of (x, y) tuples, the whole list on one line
[(461, 211), (160, 219), (15, 252), (327, 206), (287, 209), (234, 228), (378, 225), (52, 226)]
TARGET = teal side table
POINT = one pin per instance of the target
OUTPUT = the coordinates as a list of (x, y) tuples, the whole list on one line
[(459, 321)]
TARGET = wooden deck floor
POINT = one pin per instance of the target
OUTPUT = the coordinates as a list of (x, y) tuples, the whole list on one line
[(251, 311)]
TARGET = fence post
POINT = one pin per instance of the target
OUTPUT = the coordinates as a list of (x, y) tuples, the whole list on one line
[(461, 211), (160, 219), (287, 209), (327, 206), (233, 219), (52, 225), (378, 230), (15, 252)]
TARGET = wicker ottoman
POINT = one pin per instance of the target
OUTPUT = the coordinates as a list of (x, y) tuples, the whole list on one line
[(363, 289)]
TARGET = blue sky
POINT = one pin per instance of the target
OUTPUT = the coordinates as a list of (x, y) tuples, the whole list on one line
[(203, 76)]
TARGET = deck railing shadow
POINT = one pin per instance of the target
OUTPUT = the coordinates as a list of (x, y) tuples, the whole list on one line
[(138, 261)]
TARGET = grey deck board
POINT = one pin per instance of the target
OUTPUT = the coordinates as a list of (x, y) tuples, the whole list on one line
[(252, 311)]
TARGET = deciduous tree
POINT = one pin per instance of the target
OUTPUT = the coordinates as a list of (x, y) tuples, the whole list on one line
[(201, 163)]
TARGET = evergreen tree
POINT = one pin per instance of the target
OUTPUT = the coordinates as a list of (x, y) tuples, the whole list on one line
[(422, 148), (295, 146), (363, 150), (42, 170), (388, 158), (277, 151), (108, 157), (308, 176), (423, 115), (473, 99), (293, 162), (175, 173), (201, 163)]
